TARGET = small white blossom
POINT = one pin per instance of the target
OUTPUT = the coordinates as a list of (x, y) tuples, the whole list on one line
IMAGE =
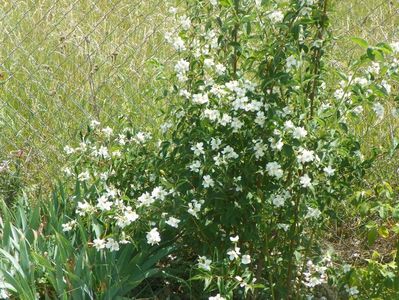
[(217, 297), (194, 208), (107, 131), (246, 259), (103, 203), (198, 149), (69, 150), (84, 176), (234, 239), (204, 263), (313, 213), (329, 171), (305, 155), (305, 181), (379, 110), (274, 170), (276, 16), (299, 133), (215, 143), (99, 244), (173, 222), (195, 166), (178, 44), (234, 254), (153, 237), (208, 181), (200, 98), (68, 226), (291, 62), (112, 245), (185, 22)]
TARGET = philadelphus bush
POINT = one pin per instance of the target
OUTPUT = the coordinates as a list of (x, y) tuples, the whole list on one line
[(256, 150)]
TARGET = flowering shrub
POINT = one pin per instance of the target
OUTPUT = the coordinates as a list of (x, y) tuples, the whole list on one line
[(256, 152)]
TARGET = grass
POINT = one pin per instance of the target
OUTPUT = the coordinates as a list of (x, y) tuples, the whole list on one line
[(63, 63)]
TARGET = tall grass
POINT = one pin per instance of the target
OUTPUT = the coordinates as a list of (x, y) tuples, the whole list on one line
[(63, 63)]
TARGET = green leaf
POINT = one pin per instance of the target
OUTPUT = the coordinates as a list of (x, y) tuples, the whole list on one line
[(372, 235), (361, 42)]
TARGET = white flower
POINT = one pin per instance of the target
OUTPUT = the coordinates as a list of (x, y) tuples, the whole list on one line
[(288, 125), (182, 66), (67, 171), (173, 222), (284, 227), (198, 149), (274, 170), (209, 62), (220, 69), (229, 153), (226, 119), (195, 166), (153, 237), (329, 171), (299, 133), (128, 217), (234, 254), (260, 118), (142, 137), (305, 181), (259, 149), (215, 143), (146, 199), (112, 245), (346, 268), (352, 291), (374, 68), (84, 176), (395, 47), (185, 22), (217, 297), (379, 110), (159, 193), (94, 123), (69, 150), (276, 16), (204, 263), (68, 226), (313, 213), (234, 239), (387, 86), (208, 181), (361, 81), (103, 203), (178, 44), (107, 131), (305, 155), (172, 10), (278, 200), (291, 62), (214, 2), (103, 151), (99, 244), (211, 114), (84, 208), (200, 98), (246, 259), (194, 207), (358, 110), (236, 124), (258, 3)]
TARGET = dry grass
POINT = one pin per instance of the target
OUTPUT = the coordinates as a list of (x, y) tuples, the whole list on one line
[(63, 63)]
